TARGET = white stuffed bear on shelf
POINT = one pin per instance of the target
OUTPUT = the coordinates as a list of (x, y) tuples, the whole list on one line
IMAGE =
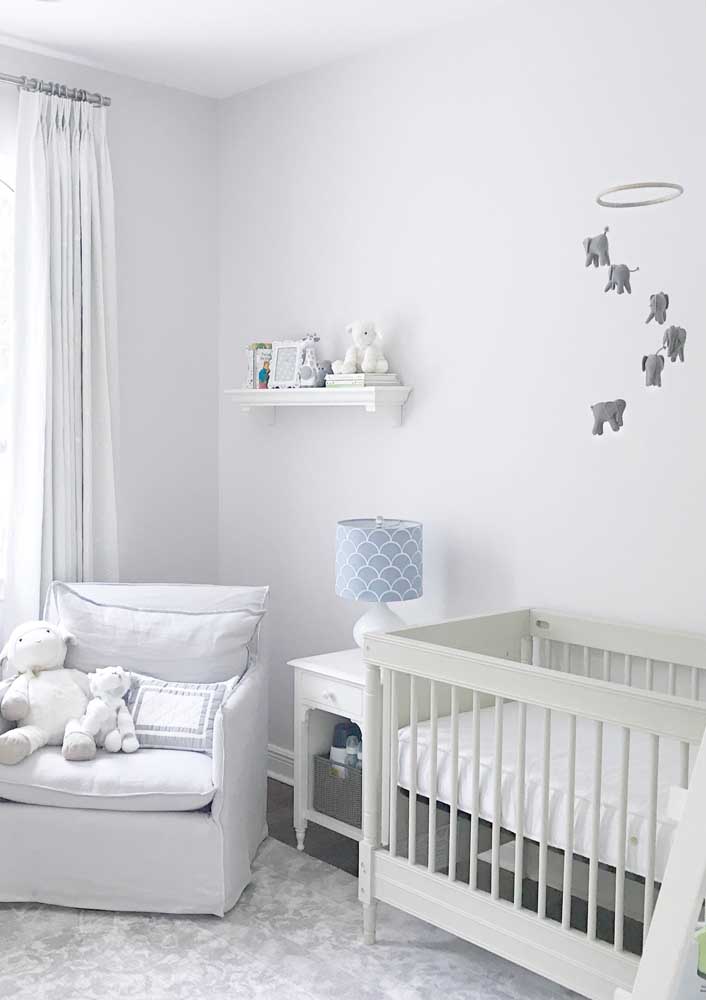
[(43, 695), (365, 353), (106, 721)]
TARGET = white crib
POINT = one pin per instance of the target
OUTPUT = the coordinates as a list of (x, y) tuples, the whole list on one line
[(560, 749)]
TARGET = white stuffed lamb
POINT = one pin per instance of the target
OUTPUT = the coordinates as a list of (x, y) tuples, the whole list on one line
[(365, 353), (42, 695), (106, 722)]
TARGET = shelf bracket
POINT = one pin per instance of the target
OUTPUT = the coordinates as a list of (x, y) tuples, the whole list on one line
[(267, 415), (393, 414)]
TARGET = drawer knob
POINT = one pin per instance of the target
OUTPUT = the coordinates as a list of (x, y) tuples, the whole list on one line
[(329, 696)]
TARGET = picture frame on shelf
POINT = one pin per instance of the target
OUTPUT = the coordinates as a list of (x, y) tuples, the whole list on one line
[(258, 354), (286, 363)]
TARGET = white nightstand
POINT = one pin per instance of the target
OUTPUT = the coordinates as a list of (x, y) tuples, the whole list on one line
[(326, 688)]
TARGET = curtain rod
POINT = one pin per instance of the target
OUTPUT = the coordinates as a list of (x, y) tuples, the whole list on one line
[(72, 93)]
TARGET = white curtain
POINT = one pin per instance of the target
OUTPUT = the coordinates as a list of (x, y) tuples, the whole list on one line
[(62, 507)]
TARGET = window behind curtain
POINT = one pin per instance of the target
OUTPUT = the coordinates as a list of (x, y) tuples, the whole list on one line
[(7, 204)]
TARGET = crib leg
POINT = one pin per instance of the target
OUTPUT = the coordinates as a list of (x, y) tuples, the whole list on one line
[(369, 919), (372, 780)]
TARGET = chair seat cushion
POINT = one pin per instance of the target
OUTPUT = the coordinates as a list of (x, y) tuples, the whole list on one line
[(145, 781)]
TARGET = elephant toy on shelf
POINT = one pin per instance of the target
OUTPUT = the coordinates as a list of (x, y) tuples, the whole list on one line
[(596, 248), (674, 340), (619, 278), (612, 410), (659, 303), (652, 365)]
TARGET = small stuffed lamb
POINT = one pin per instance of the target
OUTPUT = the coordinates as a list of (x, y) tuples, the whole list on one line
[(106, 722)]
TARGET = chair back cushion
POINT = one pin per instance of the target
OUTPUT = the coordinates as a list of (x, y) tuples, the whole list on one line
[(169, 643)]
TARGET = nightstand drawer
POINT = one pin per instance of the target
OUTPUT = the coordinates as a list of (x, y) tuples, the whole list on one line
[(333, 695)]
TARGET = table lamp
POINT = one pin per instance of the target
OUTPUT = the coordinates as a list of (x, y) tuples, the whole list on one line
[(378, 560)]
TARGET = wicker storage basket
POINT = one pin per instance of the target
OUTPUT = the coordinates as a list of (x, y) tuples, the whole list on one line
[(338, 791)]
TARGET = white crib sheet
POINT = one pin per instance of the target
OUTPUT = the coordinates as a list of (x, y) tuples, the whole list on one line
[(638, 784)]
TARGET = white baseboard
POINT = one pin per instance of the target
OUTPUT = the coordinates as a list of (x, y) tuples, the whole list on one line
[(280, 764)]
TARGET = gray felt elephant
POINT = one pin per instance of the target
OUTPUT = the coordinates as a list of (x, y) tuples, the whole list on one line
[(322, 370), (659, 303), (612, 411), (674, 340), (652, 365), (619, 278), (596, 248)]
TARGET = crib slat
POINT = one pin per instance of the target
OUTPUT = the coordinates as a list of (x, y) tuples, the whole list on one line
[(526, 649), (546, 759), (453, 831), (622, 838), (628, 670), (695, 683), (497, 801), (671, 679), (412, 814), (567, 658), (586, 661), (595, 831), (569, 831), (475, 791), (649, 674), (606, 665), (548, 654), (684, 765), (433, 749), (651, 833), (394, 761), (520, 803)]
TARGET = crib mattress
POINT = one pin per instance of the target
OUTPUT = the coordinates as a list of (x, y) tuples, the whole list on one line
[(638, 780)]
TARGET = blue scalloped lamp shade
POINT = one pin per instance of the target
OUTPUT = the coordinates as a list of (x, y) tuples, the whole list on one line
[(379, 560)]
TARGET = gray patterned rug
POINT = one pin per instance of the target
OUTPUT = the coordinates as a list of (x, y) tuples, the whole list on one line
[(294, 935)]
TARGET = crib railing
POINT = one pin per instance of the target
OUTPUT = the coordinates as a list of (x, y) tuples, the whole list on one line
[(589, 906), (621, 668), (497, 817)]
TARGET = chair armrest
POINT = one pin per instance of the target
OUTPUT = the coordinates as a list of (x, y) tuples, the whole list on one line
[(240, 772)]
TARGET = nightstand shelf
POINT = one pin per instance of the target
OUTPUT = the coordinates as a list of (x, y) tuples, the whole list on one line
[(389, 399), (326, 688)]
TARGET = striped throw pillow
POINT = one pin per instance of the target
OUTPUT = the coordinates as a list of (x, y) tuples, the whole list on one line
[(173, 715)]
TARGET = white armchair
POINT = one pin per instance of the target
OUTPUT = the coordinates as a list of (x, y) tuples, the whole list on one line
[(161, 830)]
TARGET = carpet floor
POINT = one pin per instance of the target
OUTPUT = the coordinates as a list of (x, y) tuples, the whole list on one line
[(294, 935)]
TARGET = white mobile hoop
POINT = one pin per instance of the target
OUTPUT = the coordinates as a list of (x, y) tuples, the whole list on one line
[(675, 190)]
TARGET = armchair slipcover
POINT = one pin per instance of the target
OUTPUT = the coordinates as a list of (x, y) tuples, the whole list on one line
[(99, 847)]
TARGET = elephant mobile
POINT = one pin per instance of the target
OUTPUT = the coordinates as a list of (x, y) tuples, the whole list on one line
[(597, 253)]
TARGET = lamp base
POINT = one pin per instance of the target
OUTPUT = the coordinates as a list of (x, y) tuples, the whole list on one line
[(380, 618)]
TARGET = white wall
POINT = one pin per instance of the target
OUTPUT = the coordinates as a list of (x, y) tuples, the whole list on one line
[(162, 145), (444, 187)]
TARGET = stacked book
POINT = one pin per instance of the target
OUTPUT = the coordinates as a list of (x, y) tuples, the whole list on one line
[(361, 380)]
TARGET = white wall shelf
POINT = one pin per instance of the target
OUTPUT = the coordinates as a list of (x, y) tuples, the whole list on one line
[(376, 399)]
